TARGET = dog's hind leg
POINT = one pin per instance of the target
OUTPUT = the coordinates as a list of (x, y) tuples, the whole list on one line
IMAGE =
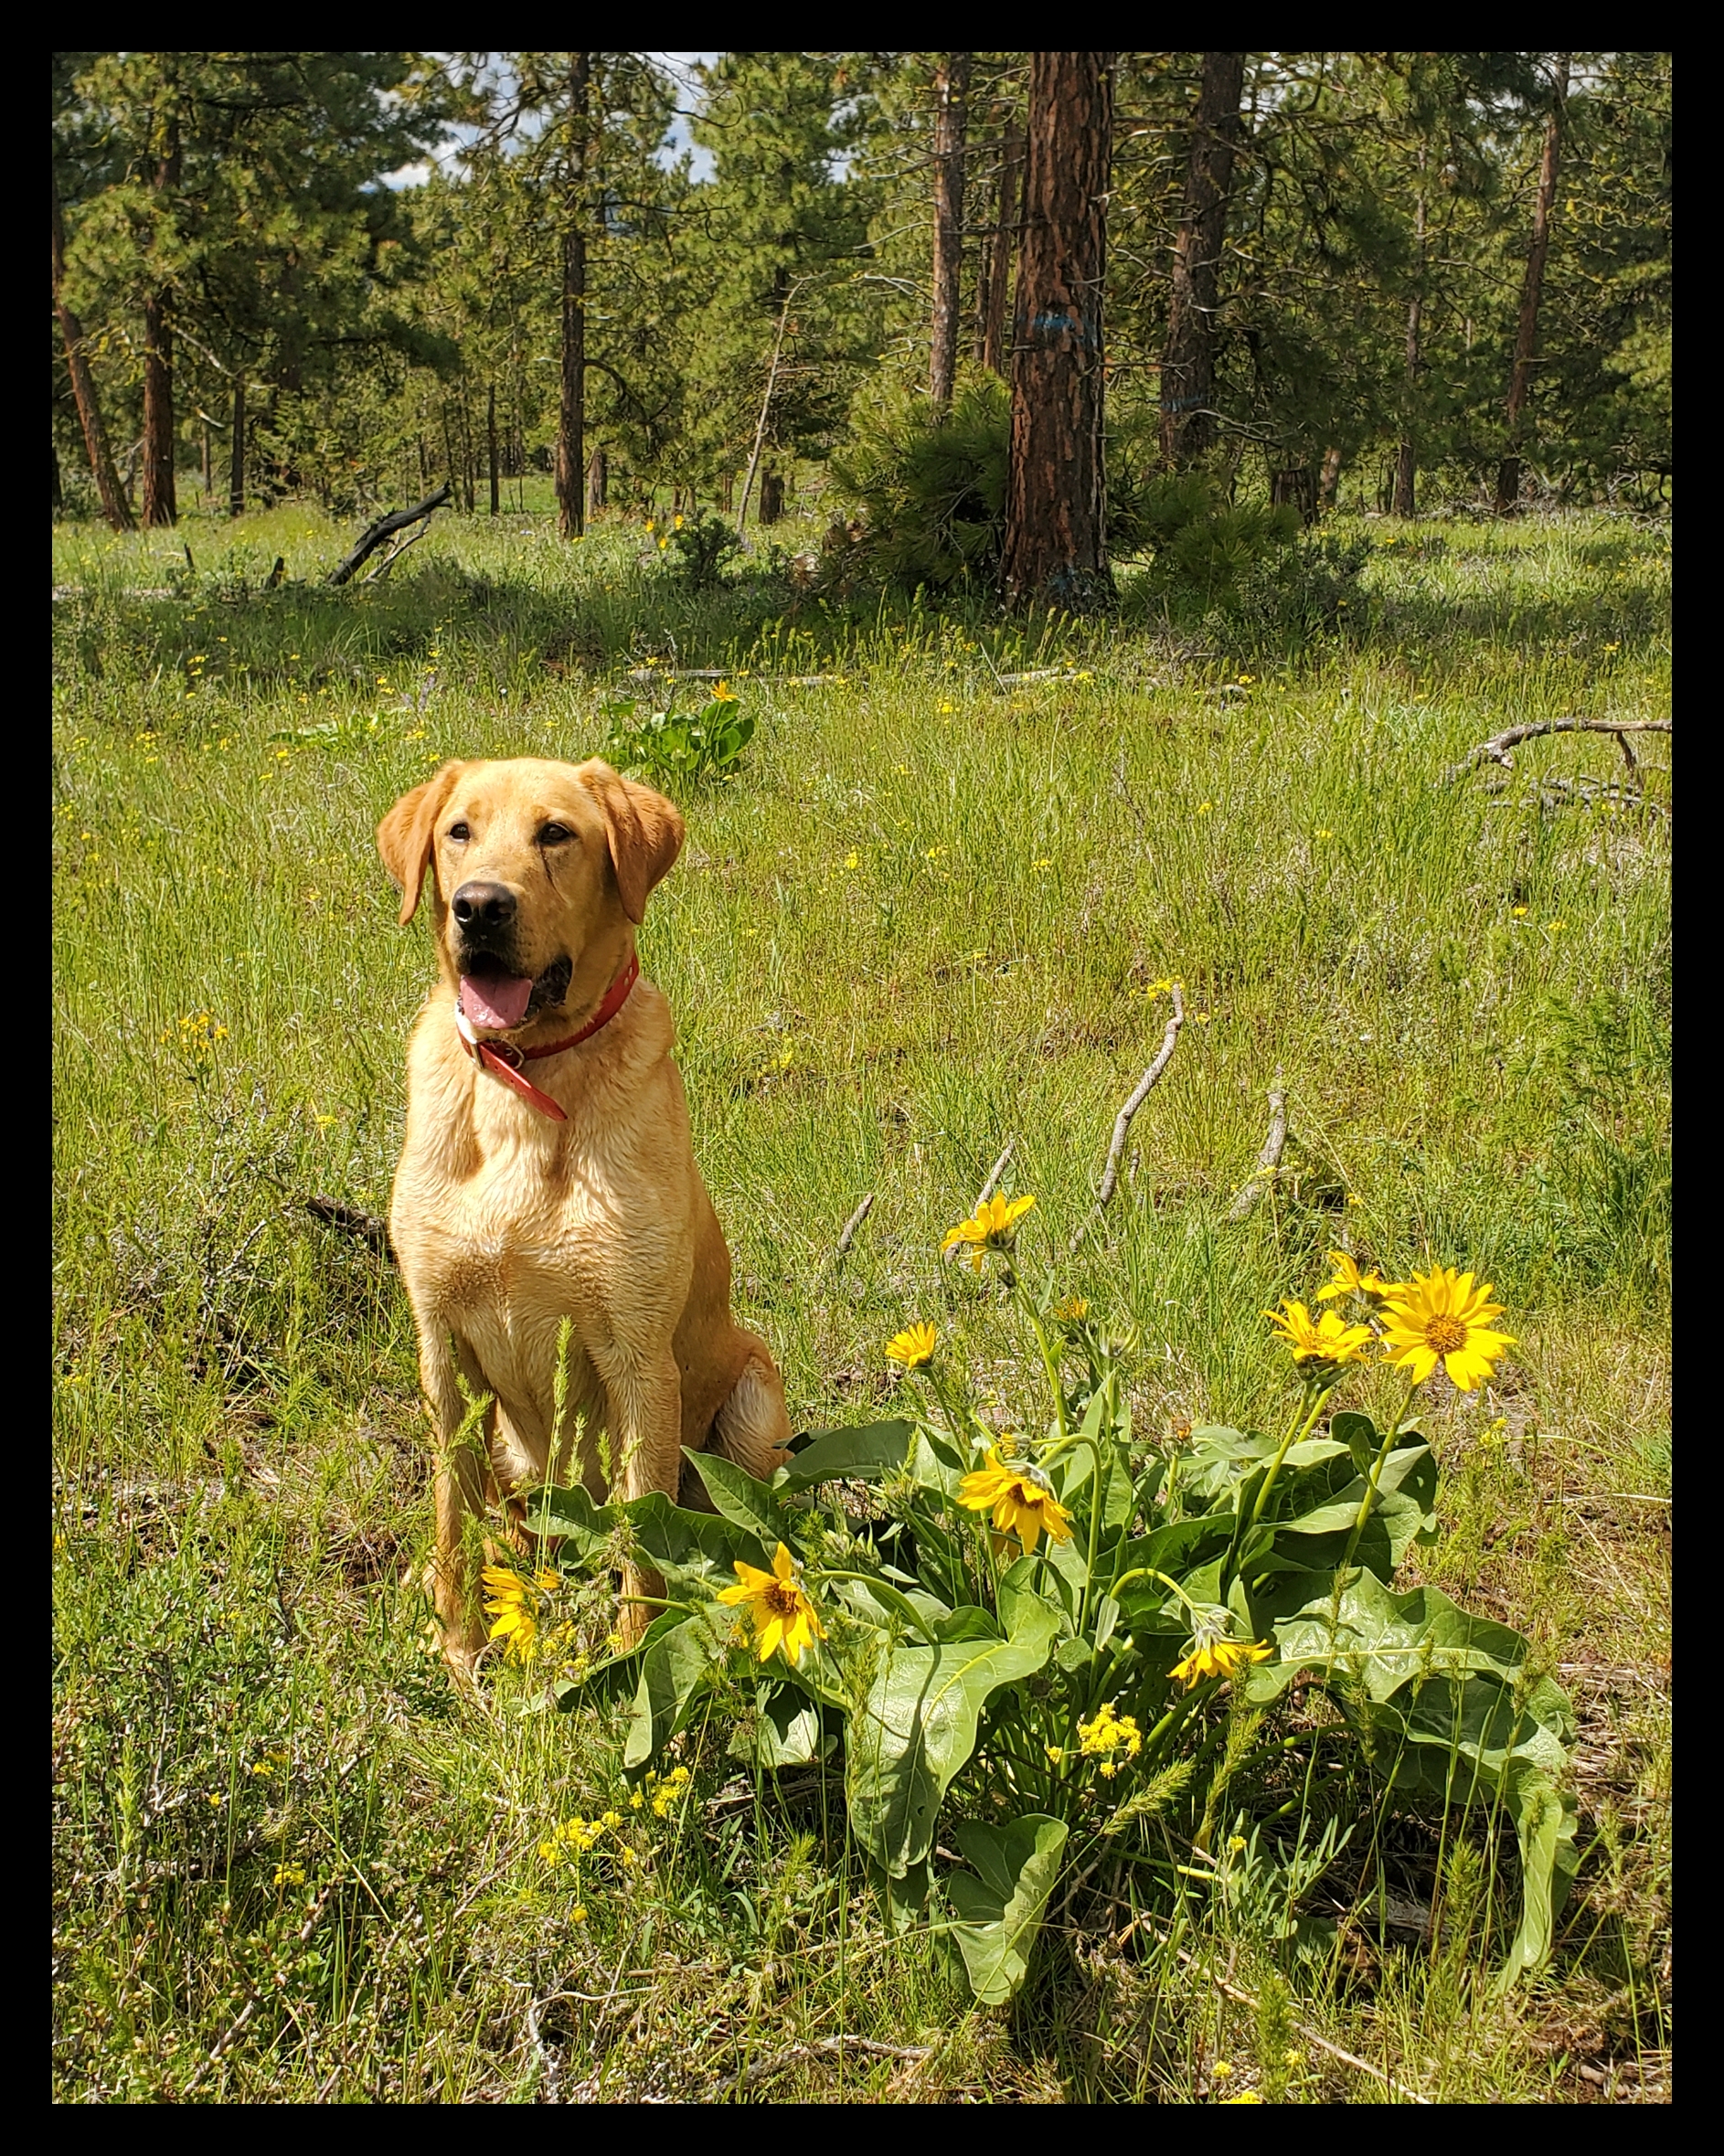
[(751, 1426)]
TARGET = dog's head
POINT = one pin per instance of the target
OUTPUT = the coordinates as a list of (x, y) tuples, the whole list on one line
[(540, 873)]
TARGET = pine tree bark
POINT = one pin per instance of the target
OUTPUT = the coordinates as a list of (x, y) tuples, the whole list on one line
[(1055, 547), (1188, 364), (597, 480), (160, 506), (491, 448), (997, 285), (1531, 292), (952, 92), (1404, 502), (113, 501), (236, 460), (571, 420)]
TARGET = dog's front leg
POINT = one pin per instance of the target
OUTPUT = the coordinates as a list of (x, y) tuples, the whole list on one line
[(643, 1395), (463, 1455)]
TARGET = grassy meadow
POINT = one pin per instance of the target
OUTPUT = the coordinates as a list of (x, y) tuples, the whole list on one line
[(935, 911)]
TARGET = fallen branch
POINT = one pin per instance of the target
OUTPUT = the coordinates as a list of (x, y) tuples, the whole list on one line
[(1500, 747), (398, 548), (767, 2068), (1267, 1161), (386, 527), (1123, 1122), (850, 1226)]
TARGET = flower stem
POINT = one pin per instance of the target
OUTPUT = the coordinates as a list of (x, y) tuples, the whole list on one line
[(887, 1593), (1370, 1498)]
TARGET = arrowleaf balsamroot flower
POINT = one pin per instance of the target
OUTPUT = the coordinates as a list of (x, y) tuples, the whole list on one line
[(913, 1346), (784, 1616), (1440, 1316), (992, 1226), (514, 1603), (1349, 1280), (1210, 1657), (1320, 1339), (1021, 1500)]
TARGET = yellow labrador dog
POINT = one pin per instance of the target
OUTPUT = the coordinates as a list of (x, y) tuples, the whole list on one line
[(547, 1172)]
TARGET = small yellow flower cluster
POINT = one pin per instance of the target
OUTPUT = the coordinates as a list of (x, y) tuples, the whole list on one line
[(289, 1876), (1110, 1733), (199, 1033), (669, 1791), (579, 1837)]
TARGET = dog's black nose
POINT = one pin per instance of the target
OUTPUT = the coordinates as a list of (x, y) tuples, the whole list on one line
[(484, 906)]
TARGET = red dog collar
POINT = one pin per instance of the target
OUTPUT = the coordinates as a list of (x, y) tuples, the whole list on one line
[(505, 1061)]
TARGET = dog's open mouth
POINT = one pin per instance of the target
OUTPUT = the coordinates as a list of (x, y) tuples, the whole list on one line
[(493, 996)]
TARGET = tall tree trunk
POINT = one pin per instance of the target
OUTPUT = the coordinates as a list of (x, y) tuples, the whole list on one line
[(597, 480), (1188, 364), (1056, 500), (1531, 291), (113, 501), (1330, 479), (59, 499), (491, 448), (999, 276), (1406, 452), (160, 506), (571, 422), (235, 466), (951, 91)]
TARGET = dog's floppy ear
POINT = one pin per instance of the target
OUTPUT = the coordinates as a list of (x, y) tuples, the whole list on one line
[(646, 831), (406, 833)]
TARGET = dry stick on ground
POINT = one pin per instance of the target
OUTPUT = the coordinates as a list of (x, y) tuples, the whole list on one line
[(989, 1187), (850, 1226), (915, 2053), (367, 1226), (1267, 1161), (1123, 1122), (1499, 748)]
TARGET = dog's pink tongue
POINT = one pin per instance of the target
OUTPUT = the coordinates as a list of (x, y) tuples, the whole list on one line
[(501, 1001)]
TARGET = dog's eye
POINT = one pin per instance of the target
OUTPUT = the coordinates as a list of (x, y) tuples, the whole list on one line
[(554, 834), (459, 831)]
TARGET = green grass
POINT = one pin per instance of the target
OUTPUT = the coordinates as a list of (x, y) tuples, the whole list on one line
[(924, 920)]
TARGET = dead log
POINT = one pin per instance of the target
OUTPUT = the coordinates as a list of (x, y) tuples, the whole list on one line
[(386, 527)]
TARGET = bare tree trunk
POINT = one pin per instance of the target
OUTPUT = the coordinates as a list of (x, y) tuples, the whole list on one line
[(235, 465), (999, 276), (771, 496), (952, 90), (1188, 364), (597, 480), (490, 447), (571, 424), (1406, 453), (1531, 291), (1055, 536), (160, 506), (766, 405), (113, 501), (1330, 479)]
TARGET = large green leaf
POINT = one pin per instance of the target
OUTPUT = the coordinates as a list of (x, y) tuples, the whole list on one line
[(787, 1732), (917, 1726), (746, 1503), (673, 1669), (1545, 1820), (865, 1454), (1000, 1906), (688, 1545), (571, 1514)]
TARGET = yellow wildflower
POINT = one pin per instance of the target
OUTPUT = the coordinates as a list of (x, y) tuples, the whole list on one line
[(913, 1347), (1319, 1340), (1348, 1280), (1440, 1316), (1072, 1310), (782, 1614), (1110, 1733), (1020, 1498), (513, 1602), (992, 1226), (1210, 1657)]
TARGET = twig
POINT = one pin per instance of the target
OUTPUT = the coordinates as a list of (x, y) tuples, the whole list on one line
[(1267, 1161), (367, 1226), (235, 2027), (1123, 1122), (1499, 748), (850, 1226), (767, 2068), (989, 1187)]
